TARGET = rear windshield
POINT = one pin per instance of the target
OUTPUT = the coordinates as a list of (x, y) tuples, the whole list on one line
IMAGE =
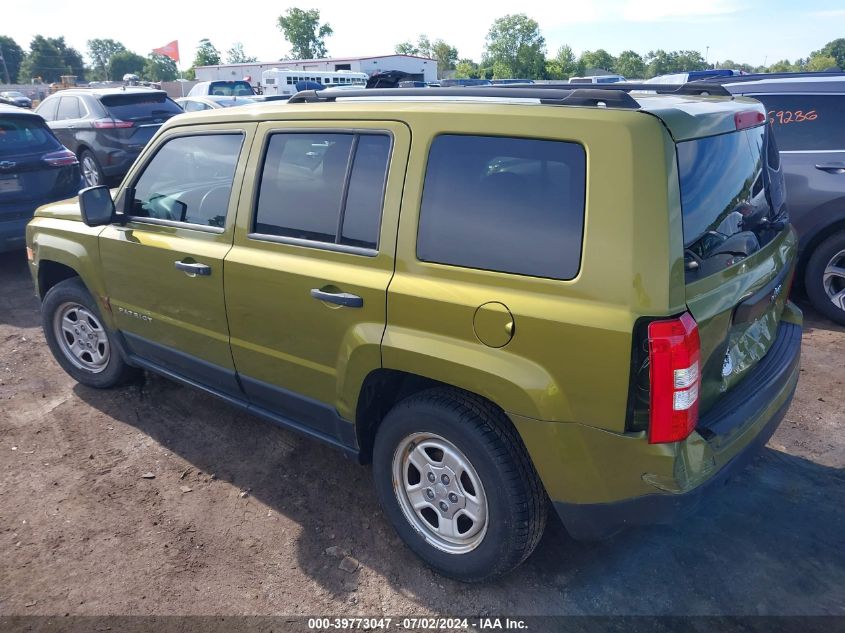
[(141, 106), (24, 134), (230, 88), (729, 185)]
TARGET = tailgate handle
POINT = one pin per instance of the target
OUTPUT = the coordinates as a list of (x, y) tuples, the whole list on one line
[(837, 167), (345, 299), (193, 269)]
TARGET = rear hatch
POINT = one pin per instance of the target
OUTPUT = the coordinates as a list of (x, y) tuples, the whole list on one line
[(738, 249), (138, 116), (34, 166)]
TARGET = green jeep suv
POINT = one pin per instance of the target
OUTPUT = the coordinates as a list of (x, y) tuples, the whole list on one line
[(505, 298)]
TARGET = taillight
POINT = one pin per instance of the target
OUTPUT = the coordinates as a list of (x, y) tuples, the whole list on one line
[(60, 159), (674, 352), (749, 118), (110, 124)]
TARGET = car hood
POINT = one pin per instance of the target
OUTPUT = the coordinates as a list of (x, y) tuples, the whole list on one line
[(62, 210)]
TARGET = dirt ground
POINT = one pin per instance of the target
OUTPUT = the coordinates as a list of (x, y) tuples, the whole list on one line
[(82, 532)]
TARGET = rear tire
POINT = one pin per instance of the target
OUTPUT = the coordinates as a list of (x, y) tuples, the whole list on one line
[(824, 278), (475, 508), (80, 343), (92, 173)]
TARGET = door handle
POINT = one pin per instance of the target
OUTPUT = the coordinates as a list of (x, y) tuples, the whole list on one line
[(837, 167), (193, 269), (345, 299)]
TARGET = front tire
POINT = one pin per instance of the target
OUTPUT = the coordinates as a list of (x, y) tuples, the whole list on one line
[(80, 342), (824, 278), (456, 482)]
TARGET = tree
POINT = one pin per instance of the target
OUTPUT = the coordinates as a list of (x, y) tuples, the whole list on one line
[(126, 63), (101, 51), (597, 60), (49, 58), (515, 48), (782, 66), (160, 68), (466, 69), (236, 55), (818, 61), (445, 55), (207, 54), (836, 49), (563, 65), (688, 60), (630, 65), (406, 48), (305, 33), (13, 56)]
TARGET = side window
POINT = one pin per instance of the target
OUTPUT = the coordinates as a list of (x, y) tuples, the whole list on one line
[(510, 205), (69, 108), (189, 180), (325, 187), (195, 106), (806, 122), (48, 109)]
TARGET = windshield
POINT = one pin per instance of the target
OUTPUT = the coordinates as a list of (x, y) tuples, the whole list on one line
[(24, 134), (12, 94), (140, 106), (730, 185)]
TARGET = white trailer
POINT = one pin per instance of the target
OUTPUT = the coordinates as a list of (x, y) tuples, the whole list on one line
[(288, 81)]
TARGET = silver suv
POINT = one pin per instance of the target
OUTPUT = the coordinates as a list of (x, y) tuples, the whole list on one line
[(807, 111)]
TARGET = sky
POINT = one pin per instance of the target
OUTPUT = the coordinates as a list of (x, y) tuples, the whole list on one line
[(750, 31)]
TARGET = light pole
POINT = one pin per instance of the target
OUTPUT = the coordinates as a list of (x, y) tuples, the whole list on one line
[(5, 68)]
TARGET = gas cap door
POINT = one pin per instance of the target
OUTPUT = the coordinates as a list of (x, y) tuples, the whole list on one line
[(493, 324)]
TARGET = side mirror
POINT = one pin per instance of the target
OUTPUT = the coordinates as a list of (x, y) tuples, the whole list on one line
[(96, 205)]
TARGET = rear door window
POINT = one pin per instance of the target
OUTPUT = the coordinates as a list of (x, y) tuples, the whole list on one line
[(152, 106), (512, 205), (807, 122), (324, 187), (69, 109)]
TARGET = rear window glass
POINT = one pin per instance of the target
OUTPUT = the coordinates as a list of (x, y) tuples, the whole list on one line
[(727, 185), (230, 88), (511, 205), (807, 122), (21, 134), (140, 106)]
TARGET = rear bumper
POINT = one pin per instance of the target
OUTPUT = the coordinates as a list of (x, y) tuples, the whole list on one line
[(13, 223), (653, 483)]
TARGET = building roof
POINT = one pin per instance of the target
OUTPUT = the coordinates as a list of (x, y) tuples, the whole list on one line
[(319, 59)]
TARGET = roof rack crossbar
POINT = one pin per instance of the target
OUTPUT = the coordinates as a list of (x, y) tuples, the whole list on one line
[(561, 96)]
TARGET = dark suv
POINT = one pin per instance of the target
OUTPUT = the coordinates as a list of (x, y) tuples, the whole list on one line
[(807, 112), (106, 128)]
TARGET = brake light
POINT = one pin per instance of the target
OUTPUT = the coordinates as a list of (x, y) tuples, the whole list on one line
[(60, 159), (749, 118), (110, 124), (674, 352)]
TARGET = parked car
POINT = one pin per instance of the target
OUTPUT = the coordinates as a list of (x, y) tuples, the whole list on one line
[(34, 169), (196, 104), (15, 98), (222, 88), (807, 112), (695, 75), (106, 128), (522, 332)]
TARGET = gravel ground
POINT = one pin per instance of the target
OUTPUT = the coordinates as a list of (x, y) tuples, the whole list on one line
[(240, 514)]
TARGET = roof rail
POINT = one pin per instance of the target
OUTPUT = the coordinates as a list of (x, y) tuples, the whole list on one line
[(821, 74), (560, 96), (692, 88)]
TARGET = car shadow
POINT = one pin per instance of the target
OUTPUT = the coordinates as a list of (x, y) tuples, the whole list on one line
[(18, 303), (769, 542), (813, 319)]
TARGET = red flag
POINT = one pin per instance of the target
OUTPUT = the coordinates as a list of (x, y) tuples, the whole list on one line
[(170, 50)]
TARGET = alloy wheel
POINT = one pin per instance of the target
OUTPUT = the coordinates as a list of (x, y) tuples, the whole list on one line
[(82, 338)]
